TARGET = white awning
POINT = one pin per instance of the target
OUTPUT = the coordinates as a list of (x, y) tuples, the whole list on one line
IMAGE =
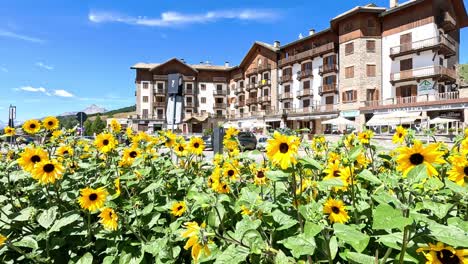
[(339, 121), (440, 120)]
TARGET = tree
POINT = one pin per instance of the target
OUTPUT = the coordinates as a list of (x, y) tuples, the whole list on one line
[(98, 125), (88, 128)]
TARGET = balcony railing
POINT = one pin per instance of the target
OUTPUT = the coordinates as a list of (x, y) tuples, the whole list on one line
[(315, 52), (328, 88), (264, 82), (239, 90), (251, 71), (314, 108), (264, 99), (252, 100), (448, 22), (285, 78), (220, 105), (159, 103), (252, 86), (445, 44), (188, 91), (327, 68), (220, 92), (285, 96), (189, 104), (424, 73), (241, 104), (219, 79), (159, 91), (263, 67), (426, 98), (237, 76), (304, 93), (150, 117), (304, 74)]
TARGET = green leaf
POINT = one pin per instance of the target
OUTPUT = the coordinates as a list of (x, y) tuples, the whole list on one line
[(386, 217), (243, 226), (354, 153), (153, 186), (368, 176), (350, 235), (311, 163), (86, 259), (450, 235), (333, 246), (328, 184), (311, 229), (393, 240), (300, 245), (285, 221), (439, 209), (27, 242), (417, 174), (359, 258), (281, 258), (456, 221), (456, 188), (63, 222), (233, 255), (24, 214), (108, 260), (277, 175), (47, 217)]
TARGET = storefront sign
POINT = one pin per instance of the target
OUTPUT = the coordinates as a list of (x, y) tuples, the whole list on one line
[(425, 87), (350, 113)]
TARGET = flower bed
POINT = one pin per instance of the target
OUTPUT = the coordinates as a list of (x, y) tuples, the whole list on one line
[(157, 199)]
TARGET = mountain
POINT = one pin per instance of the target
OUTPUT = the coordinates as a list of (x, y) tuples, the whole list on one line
[(92, 109)]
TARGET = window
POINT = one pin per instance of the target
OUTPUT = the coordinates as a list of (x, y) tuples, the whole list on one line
[(370, 45), (329, 80), (287, 88), (370, 70), (219, 87), (441, 61), (372, 95), (159, 99), (306, 66), (203, 87), (145, 99), (241, 84), (266, 76), (253, 79), (189, 99), (265, 92), (145, 113), (348, 27), (189, 86), (287, 105), (188, 111), (349, 72), (160, 86), (406, 64), (329, 100), (306, 85), (219, 100), (253, 108), (203, 100), (349, 48), (287, 71), (306, 103), (145, 85), (405, 42), (219, 112), (330, 60), (350, 96)]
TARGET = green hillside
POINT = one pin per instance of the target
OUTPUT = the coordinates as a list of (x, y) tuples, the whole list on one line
[(463, 72), (70, 121)]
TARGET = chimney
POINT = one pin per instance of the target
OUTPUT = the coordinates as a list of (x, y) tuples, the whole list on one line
[(393, 3), (311, 31), (226, 64), (276, 44), (182, 60)]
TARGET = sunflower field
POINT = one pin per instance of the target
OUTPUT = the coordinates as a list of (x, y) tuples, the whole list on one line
[(131, 197)]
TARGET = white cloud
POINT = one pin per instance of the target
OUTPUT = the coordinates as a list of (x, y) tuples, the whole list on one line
[(3, 69), (59, 92), (44, 66), (171, 18), (63, 93), (10, 34)]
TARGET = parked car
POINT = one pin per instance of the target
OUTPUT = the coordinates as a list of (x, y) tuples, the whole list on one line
[(262, 142), (208, 142), (247, 140)]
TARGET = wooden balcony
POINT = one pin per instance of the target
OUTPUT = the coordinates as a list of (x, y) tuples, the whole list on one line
[(220, 106), (220, 79), (159, 92), (286, 96), (238, 76), (241, 104), (189, 105), (413, 101), (251, 101), (304, 93), (219, 92), (435, 71), (304, 74), (441, 44), (263, 67), (328, 88), (316, 107), (285, 78), (315, 52), (328, 68), (264, 82), (448, 22), (189, 92), (150, 117), (160, 104), (264, 99), (251, 86), (239, 90)]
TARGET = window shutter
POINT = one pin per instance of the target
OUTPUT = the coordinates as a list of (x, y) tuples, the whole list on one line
[(334, 59), (376, 95), (398, 91), (343, 96), (354, 95), (414, 91)]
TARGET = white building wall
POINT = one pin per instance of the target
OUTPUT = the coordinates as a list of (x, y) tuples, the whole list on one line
[(208, 94), (419, 33), (317, 80), (146, 92)]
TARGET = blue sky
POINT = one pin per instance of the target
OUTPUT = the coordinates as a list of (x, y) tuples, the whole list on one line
[(58, 56)]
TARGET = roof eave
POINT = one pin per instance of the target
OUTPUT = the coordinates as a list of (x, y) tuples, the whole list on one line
[(305, 38)]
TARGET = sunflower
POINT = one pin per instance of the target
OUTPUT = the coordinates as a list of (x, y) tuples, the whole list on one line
[(2, 239), (399, 136), (319, 143), (105, 142), (365, 136), (170, 139), (180, 149), (336, 211), (229, 171), (9, 131), (92, 199), (51, 123), (64, 151), (349, 141), (115, 126), (411, 157), (196, 145), (30, 157), (117, 187), (260, 177), (231, 132), (129, 156), (221, 187), (245, 210), (178, 208), (47, 171), (129, 132), (32, 126), (196, 239), (337, 171), (442, 254), (459, 170), (109, 219), (57, 133), (333, 157), (282, 150)]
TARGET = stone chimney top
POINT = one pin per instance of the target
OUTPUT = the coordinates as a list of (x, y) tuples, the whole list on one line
[(276, 44), (393, 3), (311, 31), (226, 64)]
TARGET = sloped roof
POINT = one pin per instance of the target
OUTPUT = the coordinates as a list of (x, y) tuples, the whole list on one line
[(194, 67), (370, 8)]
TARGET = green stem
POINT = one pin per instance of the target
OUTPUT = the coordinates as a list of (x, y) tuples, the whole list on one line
[(327, 248), (387, 254)]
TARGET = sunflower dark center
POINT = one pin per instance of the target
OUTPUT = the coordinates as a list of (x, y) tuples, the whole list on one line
[(196, 145), (181, 148), (180, 207), (284, 147), (110, 214), (105, 142), (336, 173), (133, 154), (465, 170), (230, 172), (224, 186), (416, 159), (32, 126), (335, 210), (49, 168), (65, 152), (35, 159), (260, 174), (50, 123), (400, 135), (93, 197), (447, 257)]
